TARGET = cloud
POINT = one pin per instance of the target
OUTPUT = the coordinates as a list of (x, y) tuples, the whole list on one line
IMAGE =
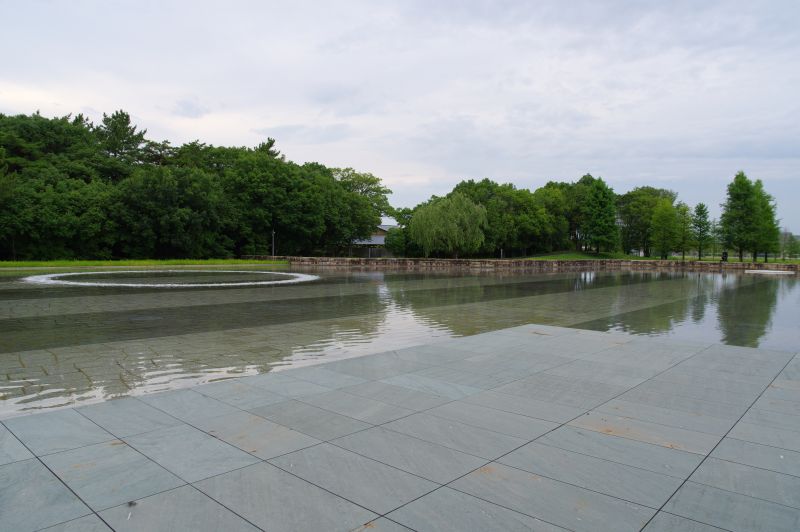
[(423, 94), (189, 109), (307, 134)]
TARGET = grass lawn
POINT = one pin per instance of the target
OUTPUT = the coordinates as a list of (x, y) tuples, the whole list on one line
[(138, 262), (579, 255)]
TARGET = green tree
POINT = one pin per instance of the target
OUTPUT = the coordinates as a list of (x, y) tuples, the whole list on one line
[(793, 247), (717, 236), (169, 213), (598, 225), (555, 233), (448, 226), (740, 215), (636, 214), (119, 137), (683, 239), (366, 185), (701, 228), (767, 230), (395, 242), (515, 219), (665, 228), (787, 242)]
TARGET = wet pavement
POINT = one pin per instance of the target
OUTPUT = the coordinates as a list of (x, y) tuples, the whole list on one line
[(526, 428)]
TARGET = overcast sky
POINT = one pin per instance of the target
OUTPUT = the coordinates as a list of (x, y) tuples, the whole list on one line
[(677, 94)]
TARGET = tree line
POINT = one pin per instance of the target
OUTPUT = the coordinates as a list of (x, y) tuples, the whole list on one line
[(488, 219), (73, 189)]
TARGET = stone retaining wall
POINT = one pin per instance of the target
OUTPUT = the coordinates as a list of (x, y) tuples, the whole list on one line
[(528, 265)]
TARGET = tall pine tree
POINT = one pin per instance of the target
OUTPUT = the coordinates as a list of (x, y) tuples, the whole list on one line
[(701, 228), (739, 215), (768, 231)]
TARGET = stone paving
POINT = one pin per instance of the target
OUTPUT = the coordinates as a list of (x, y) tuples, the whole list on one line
[(529, 428)]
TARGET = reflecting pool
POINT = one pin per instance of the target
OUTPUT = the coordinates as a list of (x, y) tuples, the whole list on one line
[(62, 345)]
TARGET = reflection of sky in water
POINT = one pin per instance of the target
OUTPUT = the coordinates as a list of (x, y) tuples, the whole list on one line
[(66, 345)]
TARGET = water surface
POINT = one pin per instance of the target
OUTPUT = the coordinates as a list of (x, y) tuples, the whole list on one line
[(62, 345)]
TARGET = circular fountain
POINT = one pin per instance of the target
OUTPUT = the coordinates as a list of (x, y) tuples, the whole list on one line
[(63, 279)]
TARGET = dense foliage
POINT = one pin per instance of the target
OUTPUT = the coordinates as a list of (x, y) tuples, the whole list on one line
[(590, 217), (748, 218), (72, 189)]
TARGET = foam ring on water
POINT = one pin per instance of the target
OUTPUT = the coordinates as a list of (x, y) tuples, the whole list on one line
[(55, 279)]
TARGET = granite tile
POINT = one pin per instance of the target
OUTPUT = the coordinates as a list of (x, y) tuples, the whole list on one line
[(624, 451), (315, 422), (127, 416), (558, 503), (324, 376), (428, 460), (622, 481), (188, 405), (183, 508), (396, 395), (431, 386), (52, 432), (757, 455), (256, 435), (90, 523), (731, 511), (500, 421), (31, 498), (750, 481), (275, 500), (785, 439), (664, 522), (236, 393), (447, 509), (189, 453), (373, 485), (524, 406), (110, 473), (361, 408), (455, 435), (634, 429), (11, 450), (665, 416)]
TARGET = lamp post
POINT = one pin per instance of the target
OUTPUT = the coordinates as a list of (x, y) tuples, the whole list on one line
[(273, 244)]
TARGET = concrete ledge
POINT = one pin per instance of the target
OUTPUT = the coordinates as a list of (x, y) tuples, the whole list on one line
[(530, 265)]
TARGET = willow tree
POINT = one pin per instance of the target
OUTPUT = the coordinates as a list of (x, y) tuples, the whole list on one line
[(450, 226)]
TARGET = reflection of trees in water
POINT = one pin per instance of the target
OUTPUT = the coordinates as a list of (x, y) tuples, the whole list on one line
[(229, 340), (707, 287), (745, 307), (663, 301), (488, 305)]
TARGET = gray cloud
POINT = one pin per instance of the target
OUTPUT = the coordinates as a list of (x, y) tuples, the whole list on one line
[(682, 93), (189, 109), (307, 134)]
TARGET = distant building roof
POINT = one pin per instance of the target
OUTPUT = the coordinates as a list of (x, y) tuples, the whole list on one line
[(374, 240), (377, 239)]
